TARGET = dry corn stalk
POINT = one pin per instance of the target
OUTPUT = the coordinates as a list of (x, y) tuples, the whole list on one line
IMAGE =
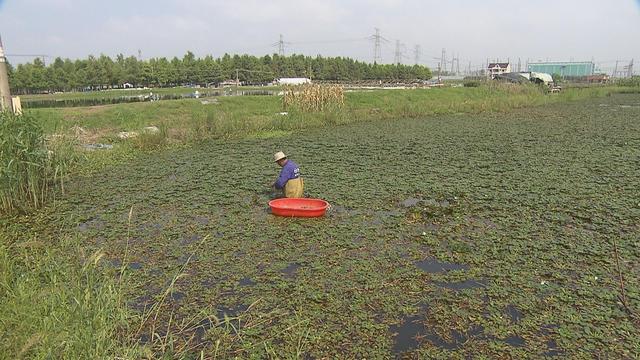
[(312, 98)]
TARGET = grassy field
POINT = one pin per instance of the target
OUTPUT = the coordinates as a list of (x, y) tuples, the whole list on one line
[(261, 115), (465, 233)]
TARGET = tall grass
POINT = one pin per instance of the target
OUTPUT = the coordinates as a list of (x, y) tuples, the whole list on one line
[(29, 170), (151, 140), (55, 303)]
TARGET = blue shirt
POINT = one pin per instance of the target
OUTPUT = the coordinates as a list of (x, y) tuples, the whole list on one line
[(289, 171)]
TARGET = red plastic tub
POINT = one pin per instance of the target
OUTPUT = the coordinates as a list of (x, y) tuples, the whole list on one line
[(298, 207)]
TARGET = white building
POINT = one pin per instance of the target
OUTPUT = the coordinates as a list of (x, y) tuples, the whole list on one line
[(293, 81), (498, 68)]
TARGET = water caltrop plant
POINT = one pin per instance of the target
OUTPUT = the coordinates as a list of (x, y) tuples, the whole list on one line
[(28, 170)]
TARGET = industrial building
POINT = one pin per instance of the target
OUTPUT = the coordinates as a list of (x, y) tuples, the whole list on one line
[(564, 69)]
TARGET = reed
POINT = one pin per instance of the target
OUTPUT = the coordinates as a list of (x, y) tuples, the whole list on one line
[(30, 167)]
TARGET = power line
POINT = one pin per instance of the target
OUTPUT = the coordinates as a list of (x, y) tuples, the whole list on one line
[(42, 57), (28, 55), (329, 41)]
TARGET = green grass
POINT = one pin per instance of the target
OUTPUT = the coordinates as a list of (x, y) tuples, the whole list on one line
[(56, 303), (530, 200)]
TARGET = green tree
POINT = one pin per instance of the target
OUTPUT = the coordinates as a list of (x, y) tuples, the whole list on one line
[(103, 72)]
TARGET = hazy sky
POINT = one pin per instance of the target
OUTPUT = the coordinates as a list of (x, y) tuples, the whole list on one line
[(476, 30)]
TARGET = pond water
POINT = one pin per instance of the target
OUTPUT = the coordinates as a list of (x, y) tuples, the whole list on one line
[(60, 103)]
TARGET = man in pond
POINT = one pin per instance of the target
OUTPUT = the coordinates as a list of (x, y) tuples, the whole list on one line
[(289, 180)]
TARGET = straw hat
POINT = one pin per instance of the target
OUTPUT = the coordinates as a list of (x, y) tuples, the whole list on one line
[(279, 156)]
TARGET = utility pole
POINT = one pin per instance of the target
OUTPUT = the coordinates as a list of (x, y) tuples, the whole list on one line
[(5, 93), (458, 64), (615, 71), (417, 52)]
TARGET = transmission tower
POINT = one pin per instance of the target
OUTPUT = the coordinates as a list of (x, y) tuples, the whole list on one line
[(630, 69), (281, 45), (455, 64), (377, 46), (519, 65), (399, 54), (417, 52), (443, 60)]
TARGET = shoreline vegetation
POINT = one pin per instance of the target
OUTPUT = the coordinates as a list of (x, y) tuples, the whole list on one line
[(58, 300), (232, 117)]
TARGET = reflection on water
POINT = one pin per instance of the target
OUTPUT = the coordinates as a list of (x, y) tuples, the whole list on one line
[(58, 103)]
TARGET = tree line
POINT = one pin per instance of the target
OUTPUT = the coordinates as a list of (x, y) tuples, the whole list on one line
[(104, 72)]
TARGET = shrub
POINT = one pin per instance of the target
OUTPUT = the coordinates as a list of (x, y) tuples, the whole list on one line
[(631, 82)]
